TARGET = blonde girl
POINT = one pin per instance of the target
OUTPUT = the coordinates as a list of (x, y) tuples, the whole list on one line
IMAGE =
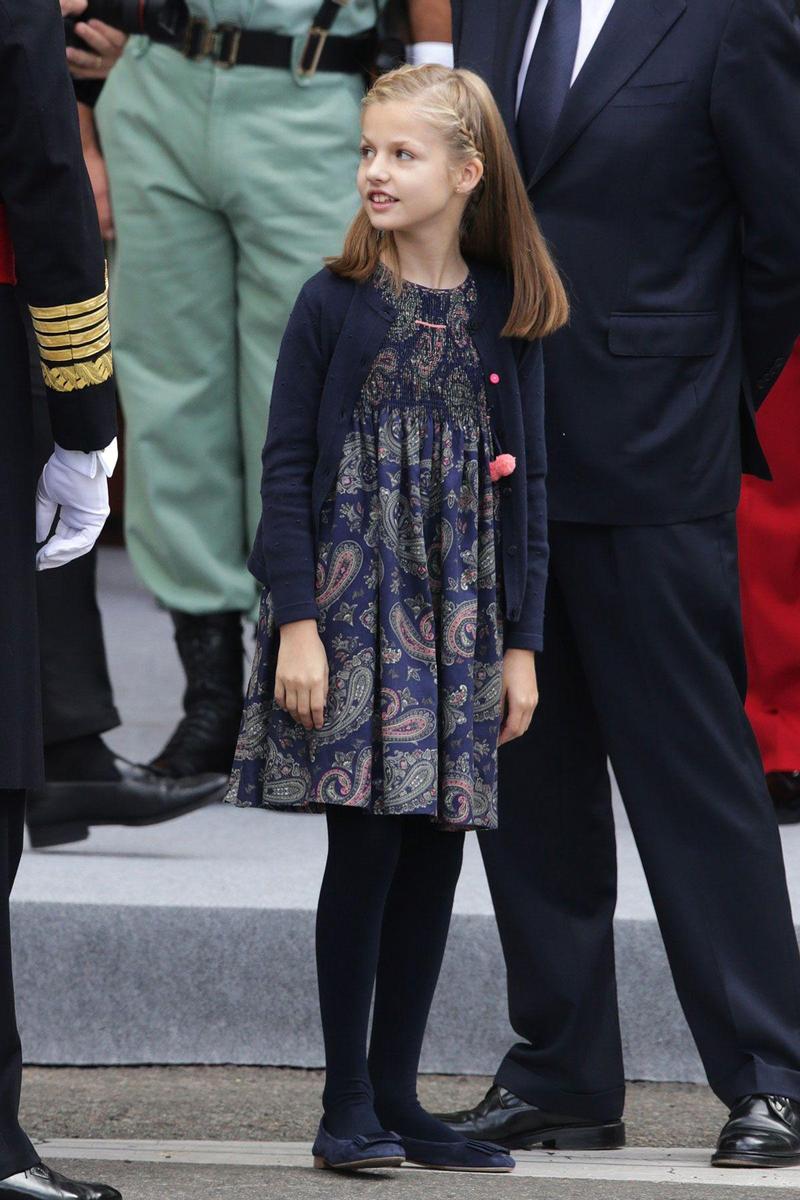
[(403, 552)]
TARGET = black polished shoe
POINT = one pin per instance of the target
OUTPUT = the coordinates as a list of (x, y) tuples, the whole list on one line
[(784, 788), (40, 1183), (502, 1118), (762, 1131), (62, 812), (212, 654)]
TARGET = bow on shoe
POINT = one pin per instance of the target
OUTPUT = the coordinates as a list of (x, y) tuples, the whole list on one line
[(487, 1148), (364, 1140)]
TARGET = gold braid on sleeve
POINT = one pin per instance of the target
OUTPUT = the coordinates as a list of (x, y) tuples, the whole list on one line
[(74, 343)]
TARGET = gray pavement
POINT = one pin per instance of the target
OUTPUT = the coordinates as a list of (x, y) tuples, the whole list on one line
[(282, 1105), (232, 1113), (146, 1181)]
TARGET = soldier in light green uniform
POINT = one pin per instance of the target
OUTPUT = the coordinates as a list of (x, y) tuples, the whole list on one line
[(228, 188)]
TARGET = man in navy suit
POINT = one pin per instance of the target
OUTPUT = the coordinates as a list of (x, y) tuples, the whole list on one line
[(661, 143)]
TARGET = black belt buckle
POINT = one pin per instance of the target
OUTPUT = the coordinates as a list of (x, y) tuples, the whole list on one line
[(198, 40), (314, 45), (220, 43), (226, 48)]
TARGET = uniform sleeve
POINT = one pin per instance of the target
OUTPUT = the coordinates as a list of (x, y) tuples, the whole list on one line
[(755, 110), (527, 632), (52, 219)]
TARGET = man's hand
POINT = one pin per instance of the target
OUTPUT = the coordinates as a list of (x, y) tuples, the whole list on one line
[(430, 20), (430, 28), (105, 47), (520, 694), (78, 484), (301, 675)]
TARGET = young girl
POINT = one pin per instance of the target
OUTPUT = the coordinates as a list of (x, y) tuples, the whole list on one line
[(395, 644)]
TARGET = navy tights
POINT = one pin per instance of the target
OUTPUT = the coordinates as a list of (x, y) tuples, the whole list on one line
[(382, 922)]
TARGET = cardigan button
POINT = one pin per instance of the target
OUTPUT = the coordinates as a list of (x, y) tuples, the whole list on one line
[(494, 377), (512, 550)]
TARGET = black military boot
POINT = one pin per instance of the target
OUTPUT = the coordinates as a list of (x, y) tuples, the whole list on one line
[(211, 651)]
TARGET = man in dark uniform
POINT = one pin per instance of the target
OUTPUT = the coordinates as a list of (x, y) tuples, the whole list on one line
[(660, 141), (49, 241)]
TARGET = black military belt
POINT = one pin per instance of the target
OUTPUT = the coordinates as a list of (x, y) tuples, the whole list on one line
[(230, 46)]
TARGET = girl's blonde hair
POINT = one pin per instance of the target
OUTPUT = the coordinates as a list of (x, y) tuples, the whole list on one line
[(499, 226)]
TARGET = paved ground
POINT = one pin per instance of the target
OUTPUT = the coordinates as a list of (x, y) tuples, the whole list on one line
[(272, 1105), (146, 1181), (220, 1119)]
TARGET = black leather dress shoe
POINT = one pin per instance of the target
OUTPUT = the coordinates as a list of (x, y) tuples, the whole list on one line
[(762, 1131), (40, 1183), (784, 788), (62, 812), (503, 1118)]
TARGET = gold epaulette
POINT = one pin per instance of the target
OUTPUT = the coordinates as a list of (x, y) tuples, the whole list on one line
[(74, 343)]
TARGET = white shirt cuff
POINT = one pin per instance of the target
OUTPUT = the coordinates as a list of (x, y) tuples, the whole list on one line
[(430, 52), (87, 463)]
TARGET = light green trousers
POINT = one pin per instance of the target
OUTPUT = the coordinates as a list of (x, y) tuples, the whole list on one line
[(228, 187)]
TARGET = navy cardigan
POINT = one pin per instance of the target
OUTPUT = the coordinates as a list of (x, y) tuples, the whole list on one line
[(335, 331)]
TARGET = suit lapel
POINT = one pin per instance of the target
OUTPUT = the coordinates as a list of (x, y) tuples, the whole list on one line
[(512, 24), (633, 30)]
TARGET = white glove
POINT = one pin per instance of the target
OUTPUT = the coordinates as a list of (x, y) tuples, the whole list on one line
[(77, 482)]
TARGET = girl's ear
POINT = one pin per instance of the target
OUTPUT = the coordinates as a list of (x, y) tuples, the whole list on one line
[(469, 176)]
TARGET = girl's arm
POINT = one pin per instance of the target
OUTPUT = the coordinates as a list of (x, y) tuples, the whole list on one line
[(526, 633), (289, 459)]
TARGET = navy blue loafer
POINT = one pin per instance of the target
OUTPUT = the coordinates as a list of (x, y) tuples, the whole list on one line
[(355, 1154), (468, 1155)]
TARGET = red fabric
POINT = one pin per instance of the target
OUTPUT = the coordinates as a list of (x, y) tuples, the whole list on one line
[(6, 251), (769, 545)]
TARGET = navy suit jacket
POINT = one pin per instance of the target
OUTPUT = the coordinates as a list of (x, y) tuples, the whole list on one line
[(670, 194), (334, 333)]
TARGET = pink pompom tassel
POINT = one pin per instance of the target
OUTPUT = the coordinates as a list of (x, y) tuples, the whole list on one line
[(504, 464)]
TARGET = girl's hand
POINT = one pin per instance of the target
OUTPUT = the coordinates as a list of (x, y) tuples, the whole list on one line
[(520, 694), (301, 676)]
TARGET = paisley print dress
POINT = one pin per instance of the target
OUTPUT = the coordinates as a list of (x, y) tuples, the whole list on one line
[(409, 596)]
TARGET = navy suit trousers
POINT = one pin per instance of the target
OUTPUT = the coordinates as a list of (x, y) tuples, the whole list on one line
[(644, 663)]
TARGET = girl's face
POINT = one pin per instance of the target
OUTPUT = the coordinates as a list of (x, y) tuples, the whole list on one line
[(406, 177)]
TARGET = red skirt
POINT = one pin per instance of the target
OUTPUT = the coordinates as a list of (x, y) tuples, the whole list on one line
[(769, 546)]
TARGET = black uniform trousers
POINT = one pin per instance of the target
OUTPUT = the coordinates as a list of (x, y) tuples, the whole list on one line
[(76, 689), (20, 749), (16, 1151), (643, 662)]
